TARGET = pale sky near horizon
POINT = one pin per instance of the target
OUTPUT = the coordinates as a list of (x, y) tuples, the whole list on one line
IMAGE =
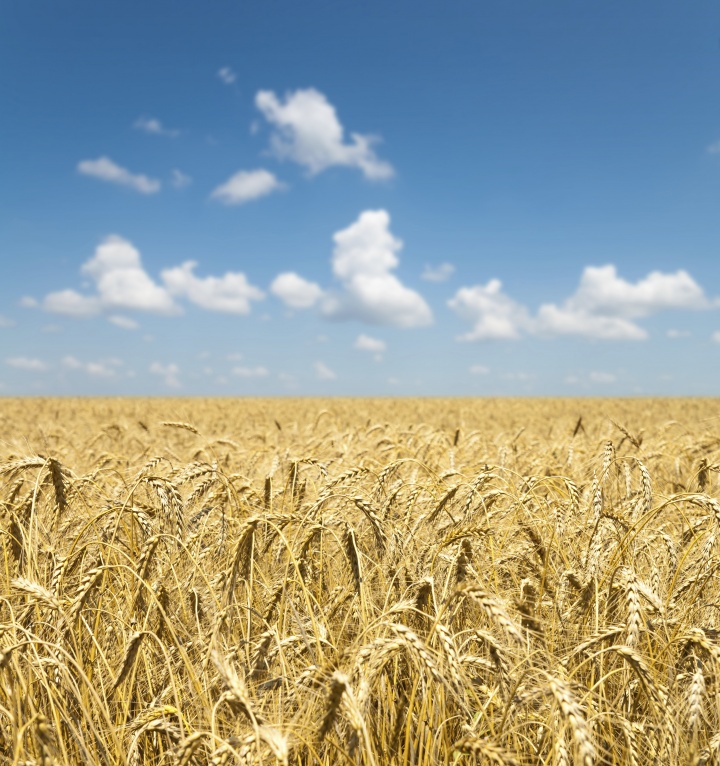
[(316, 198)]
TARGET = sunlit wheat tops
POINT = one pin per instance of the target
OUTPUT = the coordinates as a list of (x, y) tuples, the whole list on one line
[(359, 582)]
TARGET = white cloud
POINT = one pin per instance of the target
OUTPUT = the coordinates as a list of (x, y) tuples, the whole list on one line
[(122, 283), (364, 255), (604, 306), (227, 75), (716, 336), (247, 185), (180, 180), (479, 369), (28, 302), (230, 293), (308, 132), (714, 148), (123, 322), (100, 369), (323, 372), (366, 343), (554, 320), (296, 292), (6, 322), (494, 315), (250, 372), (234, 357), (106, 170), (602, 377), (672, 333), (153, 126), (71, 303), (169, 372), (440, 273), (26, 363)]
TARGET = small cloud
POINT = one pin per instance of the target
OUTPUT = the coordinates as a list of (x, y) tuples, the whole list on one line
[(230, 294), (678, 334), (572, 380), (6, 322), (154, 127), (247, 185), (27, 302), (440, 273), (227, 75), (366, 343), (322, 339), (26, 363), (479, 369), (123, 322), (169, 372), (180, 180), (323, 372), (716, 336), (307, 131), (296, 292), (394, 381), (234, 357), (714, 148), (250, 372), (100, 369), (52, 328), (602, 377), (105, 169)]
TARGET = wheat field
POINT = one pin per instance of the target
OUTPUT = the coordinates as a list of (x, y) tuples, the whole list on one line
[(375, 582)]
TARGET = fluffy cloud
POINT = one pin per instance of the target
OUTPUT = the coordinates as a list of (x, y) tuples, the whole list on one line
[(674, 334), (247, 185), (716, 336), (154, 127), (230, 293), (123, 284), (5, 322), (100, 369), (604, 303), (307, 131), (323, 372), (479, 369), (120, 280), (26, 363), (440, 273), (604, 306), (494, 315), (366, 343), (250, 372), (602, 377), (106, 170), (296, 292), (169, 372), (123, 322), (227, 75), (364, 255)]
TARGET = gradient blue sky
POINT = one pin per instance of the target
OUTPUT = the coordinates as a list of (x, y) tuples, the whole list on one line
[(473, 197)]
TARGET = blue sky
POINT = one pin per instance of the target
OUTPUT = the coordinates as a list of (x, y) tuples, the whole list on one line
[(404, 198)]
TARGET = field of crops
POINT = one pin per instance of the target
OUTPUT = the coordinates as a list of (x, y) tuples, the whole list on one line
[(359, 582)]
